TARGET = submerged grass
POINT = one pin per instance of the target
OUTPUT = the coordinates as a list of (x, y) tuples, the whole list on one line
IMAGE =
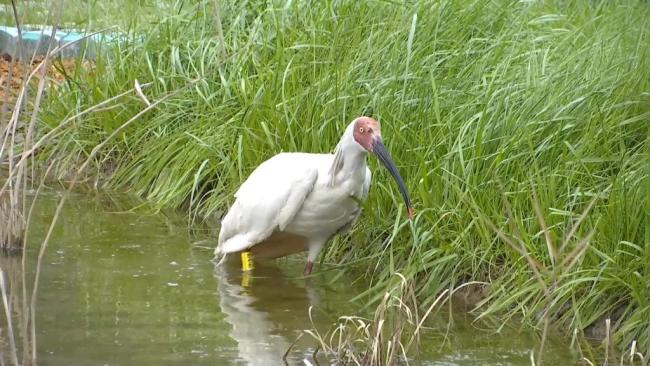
[(521, 128), (388, 338)]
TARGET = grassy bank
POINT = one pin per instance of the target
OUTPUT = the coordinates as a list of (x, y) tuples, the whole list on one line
[(520, 127)]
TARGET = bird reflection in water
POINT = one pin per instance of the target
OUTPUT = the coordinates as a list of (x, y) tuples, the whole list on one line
[(267, 310)]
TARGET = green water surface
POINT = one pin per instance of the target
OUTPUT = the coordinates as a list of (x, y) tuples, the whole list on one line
[(127, 288)]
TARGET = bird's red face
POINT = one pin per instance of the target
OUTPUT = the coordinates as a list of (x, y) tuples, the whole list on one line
[(366, 132)]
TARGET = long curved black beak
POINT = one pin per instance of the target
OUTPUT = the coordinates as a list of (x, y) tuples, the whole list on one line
[(383, 155)]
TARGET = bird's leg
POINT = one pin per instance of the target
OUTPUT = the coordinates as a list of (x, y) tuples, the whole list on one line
[(246, 261), (308, 267), (314, 246)]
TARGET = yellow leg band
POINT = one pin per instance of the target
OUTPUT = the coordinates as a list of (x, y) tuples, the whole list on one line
[(246, 280), (246, 261)]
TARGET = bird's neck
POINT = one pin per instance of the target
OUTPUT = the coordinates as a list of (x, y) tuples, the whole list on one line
[(349, 159)]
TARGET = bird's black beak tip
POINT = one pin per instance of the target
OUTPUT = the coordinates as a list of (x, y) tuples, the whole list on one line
[(384, 156), (411, 213)]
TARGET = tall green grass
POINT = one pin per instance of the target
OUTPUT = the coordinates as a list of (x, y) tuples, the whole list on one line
[(82, 13), (508, 119)]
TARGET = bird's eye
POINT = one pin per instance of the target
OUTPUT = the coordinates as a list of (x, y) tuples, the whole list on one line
[(361, 129)]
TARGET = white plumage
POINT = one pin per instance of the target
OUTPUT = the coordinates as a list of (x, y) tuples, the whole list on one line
[(298, 201)]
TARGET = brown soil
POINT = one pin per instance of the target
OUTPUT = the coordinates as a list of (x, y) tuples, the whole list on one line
[(14, 72)]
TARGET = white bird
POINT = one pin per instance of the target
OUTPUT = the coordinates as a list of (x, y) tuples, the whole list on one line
[(297, 201)]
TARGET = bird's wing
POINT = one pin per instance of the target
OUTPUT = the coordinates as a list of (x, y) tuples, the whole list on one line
[(267, 201)]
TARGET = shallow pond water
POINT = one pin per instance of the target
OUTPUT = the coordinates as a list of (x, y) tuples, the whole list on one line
[(125, 288)]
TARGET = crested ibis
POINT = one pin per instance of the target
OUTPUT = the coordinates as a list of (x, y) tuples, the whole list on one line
[(295, 201)]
